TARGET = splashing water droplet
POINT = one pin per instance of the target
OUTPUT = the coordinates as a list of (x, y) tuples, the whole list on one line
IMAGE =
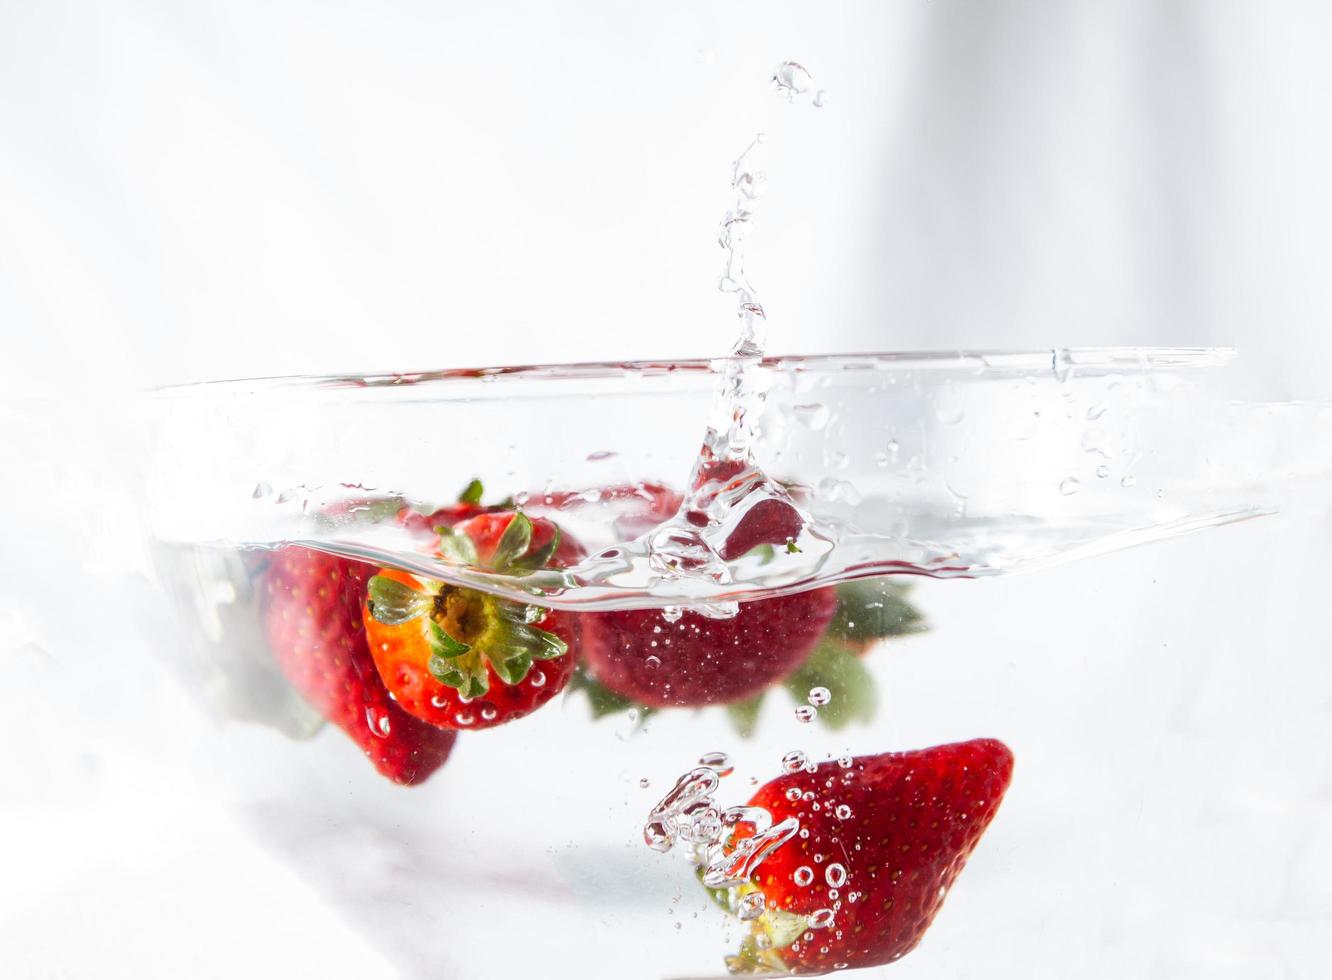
[(835, 875), (803, 876), (791, 79), (819, 696), (806, 713), (794, 761)]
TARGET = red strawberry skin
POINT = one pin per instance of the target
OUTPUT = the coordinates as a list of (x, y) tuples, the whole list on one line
[(312, 618), (698, 661), (915, 817)]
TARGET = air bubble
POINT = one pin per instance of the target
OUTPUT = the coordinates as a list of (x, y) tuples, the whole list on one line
[(719, 762), (793, 794), (536, 679), (806, 713), (803, 876), (835, 875), (819, 696), (844, 761), (1102, 471), (489, 713), (750, 906), (644, 783), (652, 662), (794, 761), (464, 718), (820, 98), (813, 416), (821, 919), (843, 811), (1070, 485)]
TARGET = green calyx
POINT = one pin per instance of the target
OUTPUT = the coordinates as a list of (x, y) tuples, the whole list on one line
[(467, 633), (513, 554)]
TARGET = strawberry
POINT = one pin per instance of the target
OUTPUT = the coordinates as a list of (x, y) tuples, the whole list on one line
[(887, 837), (462, 658), (312, 619), (639, 654)]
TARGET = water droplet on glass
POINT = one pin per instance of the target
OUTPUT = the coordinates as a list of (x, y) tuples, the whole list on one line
[(794, 761), (819, 696), (835, 875), (806, 713), (1070, 485), (804, 875)]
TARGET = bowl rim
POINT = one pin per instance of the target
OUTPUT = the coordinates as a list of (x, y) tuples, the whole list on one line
[(1056, 361)]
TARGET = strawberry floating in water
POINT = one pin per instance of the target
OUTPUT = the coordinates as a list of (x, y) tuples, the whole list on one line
[(887, 837), (463, 658), (312, 619), (641, 655)]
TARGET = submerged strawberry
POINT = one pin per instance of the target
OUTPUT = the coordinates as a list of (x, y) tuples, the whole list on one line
[(887, 837), (639, 654), (312, 618), (463, 658)]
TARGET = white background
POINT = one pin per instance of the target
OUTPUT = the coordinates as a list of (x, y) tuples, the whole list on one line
[(192, 191)]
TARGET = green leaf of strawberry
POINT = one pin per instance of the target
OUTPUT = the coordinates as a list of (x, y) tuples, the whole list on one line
[(443, 645), (394, 603), (457, 548), (875, 608), (472, 493), (513, 543)]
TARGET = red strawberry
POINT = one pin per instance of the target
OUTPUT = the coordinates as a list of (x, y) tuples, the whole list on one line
[(638, 654), (887, 838), (312, 618), (462, 658)]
